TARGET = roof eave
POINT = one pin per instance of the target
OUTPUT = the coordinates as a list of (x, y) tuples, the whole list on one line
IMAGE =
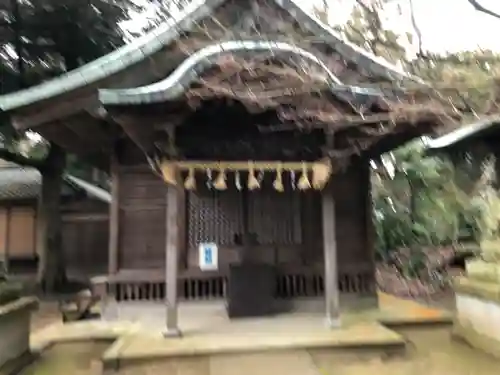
[(462, 134), (176, 84), (90, 189)]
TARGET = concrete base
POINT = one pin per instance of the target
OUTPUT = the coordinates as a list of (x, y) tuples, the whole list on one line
[(172, 333), (15, 329), (478, 321), (333, 323), (263, 336)]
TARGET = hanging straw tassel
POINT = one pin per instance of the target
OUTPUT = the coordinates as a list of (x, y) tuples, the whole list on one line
[(220, 181), (190, 183), (253, 183), (303, 183), (168, 172), (278, 182), (321, 173)]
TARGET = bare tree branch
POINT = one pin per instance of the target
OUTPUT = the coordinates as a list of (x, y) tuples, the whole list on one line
[(482, 9), (416, 29)]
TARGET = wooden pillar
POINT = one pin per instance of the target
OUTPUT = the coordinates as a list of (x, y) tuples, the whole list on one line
[(183, 229), (332, 293), (172, 260), (370, 226), (114, 217)]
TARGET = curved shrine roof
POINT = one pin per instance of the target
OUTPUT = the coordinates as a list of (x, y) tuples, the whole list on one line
[(145, 47)]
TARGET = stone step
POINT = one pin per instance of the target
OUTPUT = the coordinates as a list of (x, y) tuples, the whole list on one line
[(491, 256), (481, 270), (475, 288), (490, 251)]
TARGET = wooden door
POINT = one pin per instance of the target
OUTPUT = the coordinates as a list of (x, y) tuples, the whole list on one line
[(21, 233), (3, 232)]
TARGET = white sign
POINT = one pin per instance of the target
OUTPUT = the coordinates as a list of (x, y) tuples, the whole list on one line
[(208, 256)]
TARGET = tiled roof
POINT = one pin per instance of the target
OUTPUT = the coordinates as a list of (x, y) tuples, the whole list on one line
[(18, 182), (91, 190)]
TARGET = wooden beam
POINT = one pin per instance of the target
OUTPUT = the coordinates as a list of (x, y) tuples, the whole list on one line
[(66, 138), (41, 114), (139, 131), (172, 261), (114, 216), (332, 293), (92, 130)]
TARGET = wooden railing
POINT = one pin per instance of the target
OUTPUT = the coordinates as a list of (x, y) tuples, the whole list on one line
[(196, 286), (294, 285)]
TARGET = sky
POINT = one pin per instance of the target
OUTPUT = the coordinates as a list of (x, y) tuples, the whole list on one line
[(446, 25), (454, 25)]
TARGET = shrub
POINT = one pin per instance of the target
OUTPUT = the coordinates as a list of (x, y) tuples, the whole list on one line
[(9, 291)]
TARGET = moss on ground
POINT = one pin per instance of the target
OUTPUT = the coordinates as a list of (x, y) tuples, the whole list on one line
[(69, 359)]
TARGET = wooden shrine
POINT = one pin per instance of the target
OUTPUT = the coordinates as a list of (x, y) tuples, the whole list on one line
[(245, 125)]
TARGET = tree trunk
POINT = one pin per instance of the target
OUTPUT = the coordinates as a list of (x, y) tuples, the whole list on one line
[(51, 267)]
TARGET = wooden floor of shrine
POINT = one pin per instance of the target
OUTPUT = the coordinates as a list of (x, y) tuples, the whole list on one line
[(207, 331)]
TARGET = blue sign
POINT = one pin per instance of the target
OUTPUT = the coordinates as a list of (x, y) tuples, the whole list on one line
[(208, 256)]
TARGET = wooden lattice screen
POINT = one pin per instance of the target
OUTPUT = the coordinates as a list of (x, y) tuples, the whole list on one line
[(275, 217), (217, 216), (213, 216)]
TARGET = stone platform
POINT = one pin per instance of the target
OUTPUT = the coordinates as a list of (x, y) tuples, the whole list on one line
[(263, 335), (208, 336), (478, 300), (478, 314)]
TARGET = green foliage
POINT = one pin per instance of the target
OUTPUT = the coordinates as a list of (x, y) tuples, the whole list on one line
[(9, 291), (467, 77), (415, 265), (52, 37), (53, 29), (430, 201), (420, 204)]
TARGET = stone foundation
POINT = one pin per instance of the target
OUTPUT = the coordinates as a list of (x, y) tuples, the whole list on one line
[(478, 301), (15, 329)]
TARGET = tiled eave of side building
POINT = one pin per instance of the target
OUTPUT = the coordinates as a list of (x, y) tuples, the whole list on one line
[(22, 183), (482, 128)]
